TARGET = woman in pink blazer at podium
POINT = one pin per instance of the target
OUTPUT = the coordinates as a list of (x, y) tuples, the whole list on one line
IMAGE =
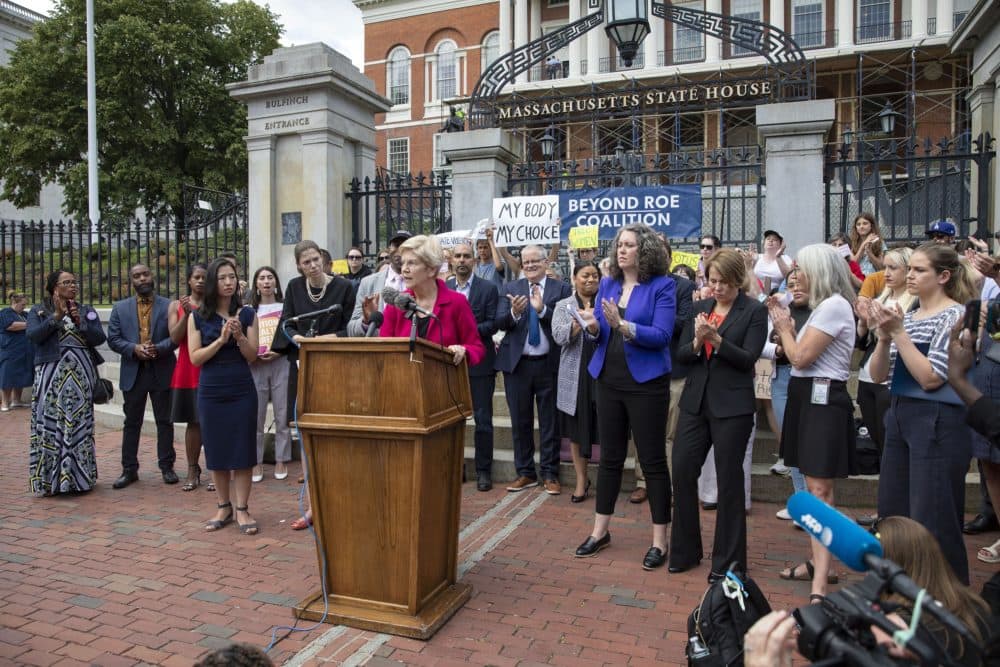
[(453, 325)]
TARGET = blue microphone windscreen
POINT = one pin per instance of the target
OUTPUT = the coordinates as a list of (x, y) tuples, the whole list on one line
[(840, 534)]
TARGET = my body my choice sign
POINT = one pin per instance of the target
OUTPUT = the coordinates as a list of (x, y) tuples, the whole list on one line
[(674, 210)]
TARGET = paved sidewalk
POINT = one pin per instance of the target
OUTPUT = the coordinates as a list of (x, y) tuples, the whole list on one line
[(129, 577)]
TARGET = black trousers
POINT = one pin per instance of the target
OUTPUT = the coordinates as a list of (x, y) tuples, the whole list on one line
[(135, 408), (533, 384), (620, 410), (873, 399), (482, 387), (696, 433)]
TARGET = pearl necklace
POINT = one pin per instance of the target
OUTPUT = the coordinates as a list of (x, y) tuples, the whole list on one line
[(322, 293)]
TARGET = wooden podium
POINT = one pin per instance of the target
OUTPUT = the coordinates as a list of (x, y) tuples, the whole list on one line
[(384, 440)]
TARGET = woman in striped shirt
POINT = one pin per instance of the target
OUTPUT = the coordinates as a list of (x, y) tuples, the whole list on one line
[(927, 443)]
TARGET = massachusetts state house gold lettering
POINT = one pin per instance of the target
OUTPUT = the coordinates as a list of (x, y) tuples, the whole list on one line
[(278, 102), (289, 123), (699, 93)]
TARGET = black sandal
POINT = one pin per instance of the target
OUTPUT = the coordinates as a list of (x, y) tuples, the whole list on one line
[(193, 480), (216, 524), (246, 528), (789, 573)]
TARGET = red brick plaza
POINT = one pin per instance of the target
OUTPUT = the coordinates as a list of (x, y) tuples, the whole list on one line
[(129, 577)]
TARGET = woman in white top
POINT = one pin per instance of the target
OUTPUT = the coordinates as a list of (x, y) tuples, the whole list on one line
[(270, 374), (772, 265), (817, 434), (927, 443), (873, 397)]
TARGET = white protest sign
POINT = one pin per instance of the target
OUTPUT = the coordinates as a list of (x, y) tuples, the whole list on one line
[(452, 239), (524, 221)]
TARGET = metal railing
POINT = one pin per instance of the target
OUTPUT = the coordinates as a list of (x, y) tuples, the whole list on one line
[(691, 54), (389, 202), (816, 40), (616, 64), (882, 32), (101, 260), (907, 186)]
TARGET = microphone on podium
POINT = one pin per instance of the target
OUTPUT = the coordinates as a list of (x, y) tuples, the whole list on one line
[(861, 551), (315, 313), (374, 322)]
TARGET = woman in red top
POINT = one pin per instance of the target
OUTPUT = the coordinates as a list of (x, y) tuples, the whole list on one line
[(453, 325), (184, 383)]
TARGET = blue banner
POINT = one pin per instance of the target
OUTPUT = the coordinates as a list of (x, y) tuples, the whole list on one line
[(674, 210)]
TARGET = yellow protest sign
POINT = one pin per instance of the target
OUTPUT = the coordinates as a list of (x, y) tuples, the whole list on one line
[(583, 237), (686, 258), (340, 267)]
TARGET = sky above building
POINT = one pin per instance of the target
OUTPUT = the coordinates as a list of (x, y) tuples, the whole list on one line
[(335, 22)]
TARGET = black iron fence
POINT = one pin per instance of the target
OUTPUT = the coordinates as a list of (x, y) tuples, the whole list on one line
[(730, 178), (907, 186), (101, 260), (391, 202)]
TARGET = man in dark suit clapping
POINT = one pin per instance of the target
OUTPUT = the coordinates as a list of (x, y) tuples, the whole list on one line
[(529, 360), (482, 296), (138, 331)]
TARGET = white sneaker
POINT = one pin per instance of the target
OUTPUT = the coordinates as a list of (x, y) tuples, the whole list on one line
[(781, 469), (783, 514)]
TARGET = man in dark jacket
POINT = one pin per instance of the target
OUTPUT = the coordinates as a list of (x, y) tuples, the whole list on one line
[(984, 414)]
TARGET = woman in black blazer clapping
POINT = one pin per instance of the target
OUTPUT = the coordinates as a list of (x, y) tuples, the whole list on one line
[(721, 345)]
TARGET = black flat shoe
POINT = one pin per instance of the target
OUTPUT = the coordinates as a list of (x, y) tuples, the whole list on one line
[(714, 577), (981, 524), (654, 559), (709, 507), (677, 569), (127, 477), (483, 483), (586, 493), (590, 546), (169, 476)]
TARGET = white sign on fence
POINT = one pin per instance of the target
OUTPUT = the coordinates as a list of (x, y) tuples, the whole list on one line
[(526, 220)]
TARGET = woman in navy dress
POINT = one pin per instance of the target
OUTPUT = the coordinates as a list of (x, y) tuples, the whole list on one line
[(17, 358), (222, 340)]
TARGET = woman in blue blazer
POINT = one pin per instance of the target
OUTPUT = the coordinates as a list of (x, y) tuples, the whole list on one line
[(631, 364)]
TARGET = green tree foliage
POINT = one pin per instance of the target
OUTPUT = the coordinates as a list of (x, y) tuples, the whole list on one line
[(163, 114)]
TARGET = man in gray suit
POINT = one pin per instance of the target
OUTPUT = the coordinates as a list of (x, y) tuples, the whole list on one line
[(369, 297), (138, 331)]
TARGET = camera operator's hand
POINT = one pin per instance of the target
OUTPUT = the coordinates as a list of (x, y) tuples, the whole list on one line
[(771, 641)]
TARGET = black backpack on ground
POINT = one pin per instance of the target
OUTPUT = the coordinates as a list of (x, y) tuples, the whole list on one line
[(717, 625)]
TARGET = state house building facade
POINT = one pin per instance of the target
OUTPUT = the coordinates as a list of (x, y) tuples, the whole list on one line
[(684, 91)]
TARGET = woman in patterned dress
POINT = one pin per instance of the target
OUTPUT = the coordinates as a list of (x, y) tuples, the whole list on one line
[(65, 333)]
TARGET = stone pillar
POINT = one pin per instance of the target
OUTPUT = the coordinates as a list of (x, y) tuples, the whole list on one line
[(311, 120), (777, 17), (649, 46), (945, 16), (793, 135), (479, 160), (520, 31), (535, 19), (845, 22), (575, 47), (983, 109), (918, 18), (506, 32), (713, 45)]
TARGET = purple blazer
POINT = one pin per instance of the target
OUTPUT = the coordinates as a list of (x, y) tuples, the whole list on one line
[(652, 308)]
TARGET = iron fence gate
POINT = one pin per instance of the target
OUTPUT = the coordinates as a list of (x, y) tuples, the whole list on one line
[(907, 186), (390, 202), (732, 192), (101, 260)]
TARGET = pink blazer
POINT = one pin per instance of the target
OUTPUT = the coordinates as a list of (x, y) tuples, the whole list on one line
[(455, 324)]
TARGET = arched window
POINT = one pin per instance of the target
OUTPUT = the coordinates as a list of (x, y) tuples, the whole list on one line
[(491, 48), (446, 71), (398, 72)]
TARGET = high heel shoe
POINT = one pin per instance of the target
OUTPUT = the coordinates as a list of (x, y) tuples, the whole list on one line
[(586, 492), (193, 480)]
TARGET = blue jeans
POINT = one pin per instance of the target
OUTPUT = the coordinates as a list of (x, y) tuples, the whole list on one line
[(779, 399)]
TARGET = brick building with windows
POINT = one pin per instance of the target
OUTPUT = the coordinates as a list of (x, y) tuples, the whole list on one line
[(867, 55)]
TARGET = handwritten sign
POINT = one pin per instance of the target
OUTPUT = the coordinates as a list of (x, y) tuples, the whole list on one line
[(674, 210), (686, 258), (583, 237), (452, 239), (524, 221)]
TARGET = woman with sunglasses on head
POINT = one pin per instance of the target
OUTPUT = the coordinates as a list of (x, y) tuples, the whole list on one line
[(927, 443), (270, 373), (184, 383), (17, 358), (61, 457), (222, 340)]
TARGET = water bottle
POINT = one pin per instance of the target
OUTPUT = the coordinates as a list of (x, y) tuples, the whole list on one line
[(697, 649)]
